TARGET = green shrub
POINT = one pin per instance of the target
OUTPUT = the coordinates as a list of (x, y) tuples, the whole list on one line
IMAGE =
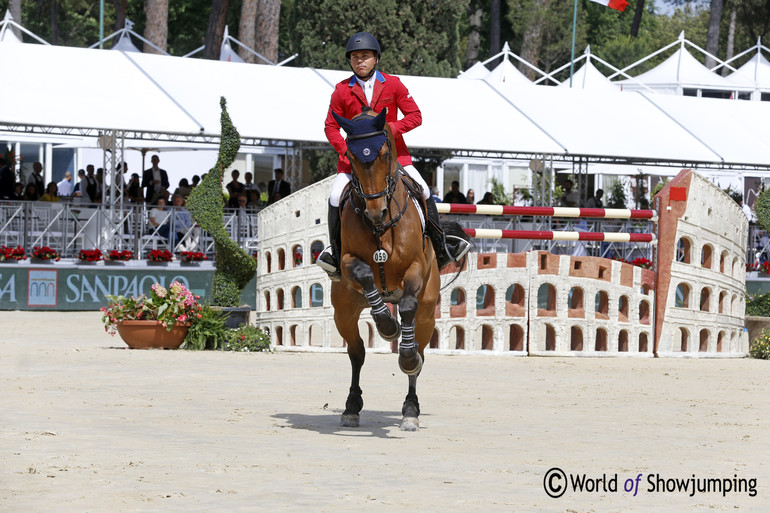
[(248, 339), (758, 305), (208, 332), (761, 347), (234, 267)]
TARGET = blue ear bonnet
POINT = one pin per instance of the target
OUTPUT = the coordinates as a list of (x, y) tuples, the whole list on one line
[(366, 135)]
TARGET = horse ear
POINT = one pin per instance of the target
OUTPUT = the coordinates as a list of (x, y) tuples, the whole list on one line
[(379, 121), (345, 123)]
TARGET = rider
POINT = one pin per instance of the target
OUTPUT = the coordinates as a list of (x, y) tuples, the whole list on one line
[(371, 88)]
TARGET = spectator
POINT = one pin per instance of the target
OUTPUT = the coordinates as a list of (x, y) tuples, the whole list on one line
[(36, 177), (18, 192), (81, 187), (470, 197), (158, 216), (65, 186), (747, 211), (569, 197), (434, 194), (195, 181), (454, 195), (51, 193), (90, 186), (7, 181), (182, 223), (278, 188), (235, 189), (488, 199), (155, 182), (184, 188), (596, 200), (134, 191), (248, 183), (30, 192)]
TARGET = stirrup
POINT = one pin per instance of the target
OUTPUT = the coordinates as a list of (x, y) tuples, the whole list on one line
[(457, 247), (327, 262)]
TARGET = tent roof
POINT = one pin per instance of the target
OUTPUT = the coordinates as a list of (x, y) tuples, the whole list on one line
[(151, 96), (588, 77), (755, 73), (679, 70)]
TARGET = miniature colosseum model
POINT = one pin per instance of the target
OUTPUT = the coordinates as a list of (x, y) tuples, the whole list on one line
[(536, 303)]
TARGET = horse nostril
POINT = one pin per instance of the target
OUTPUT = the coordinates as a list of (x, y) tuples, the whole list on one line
[(383, 215)]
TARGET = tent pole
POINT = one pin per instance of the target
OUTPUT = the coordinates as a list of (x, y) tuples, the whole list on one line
[(101, 24), (572, 53)]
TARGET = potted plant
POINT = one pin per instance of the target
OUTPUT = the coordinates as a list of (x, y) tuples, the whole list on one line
[(88, 256), (12, 255), (115, 256), (160, 256), (234, 267), (161, 320), (45, 254), (192, 257)]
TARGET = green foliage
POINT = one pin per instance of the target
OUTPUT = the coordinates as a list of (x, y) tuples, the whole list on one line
[(416, 38), (234, 266), (760, 348), (762, 208), (209, 332), (498, 193), (617, 196), (247, 339), (322, 163), (658, 187), (758, 305)]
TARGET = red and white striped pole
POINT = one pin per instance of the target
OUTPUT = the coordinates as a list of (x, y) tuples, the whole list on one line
[(489, 233), (507, 210)]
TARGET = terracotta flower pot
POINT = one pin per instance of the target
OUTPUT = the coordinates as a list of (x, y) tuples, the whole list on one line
[(150, 335)]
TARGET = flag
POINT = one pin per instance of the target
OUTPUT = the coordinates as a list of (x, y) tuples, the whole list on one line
[(618, 5)]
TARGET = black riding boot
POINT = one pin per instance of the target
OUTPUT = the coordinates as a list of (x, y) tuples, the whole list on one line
[(329, 260), (446, 252)]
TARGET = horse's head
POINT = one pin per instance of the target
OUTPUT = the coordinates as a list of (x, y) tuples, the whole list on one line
[(370, 151)]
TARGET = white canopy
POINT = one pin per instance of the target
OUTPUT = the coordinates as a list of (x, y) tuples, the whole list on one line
[(155, 97), (588, 77)]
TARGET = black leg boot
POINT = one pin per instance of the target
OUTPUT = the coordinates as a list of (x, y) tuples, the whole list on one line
[(436, 234), (329, 260)]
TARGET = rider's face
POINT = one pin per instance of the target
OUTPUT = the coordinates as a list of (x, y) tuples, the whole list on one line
[(363, 62)]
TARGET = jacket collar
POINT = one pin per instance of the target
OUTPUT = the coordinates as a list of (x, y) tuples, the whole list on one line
[(379, 76)]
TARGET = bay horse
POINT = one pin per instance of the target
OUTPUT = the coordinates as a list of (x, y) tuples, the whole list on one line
[(385, 257)]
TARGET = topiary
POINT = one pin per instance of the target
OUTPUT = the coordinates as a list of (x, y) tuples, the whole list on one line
[(234, 267)]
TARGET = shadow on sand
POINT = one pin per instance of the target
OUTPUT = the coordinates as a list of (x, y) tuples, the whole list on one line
[(380, 424)]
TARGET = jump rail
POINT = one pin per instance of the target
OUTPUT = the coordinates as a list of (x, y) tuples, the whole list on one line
[(488, 233), (506, 210)]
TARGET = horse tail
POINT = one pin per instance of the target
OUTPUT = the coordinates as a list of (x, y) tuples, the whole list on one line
[(454, 228)]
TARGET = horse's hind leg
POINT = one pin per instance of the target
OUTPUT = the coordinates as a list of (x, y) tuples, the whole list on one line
[(387, 326), (410, 412), (347, 325)]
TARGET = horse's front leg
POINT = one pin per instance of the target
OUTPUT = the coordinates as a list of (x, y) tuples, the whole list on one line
[(387, 326)]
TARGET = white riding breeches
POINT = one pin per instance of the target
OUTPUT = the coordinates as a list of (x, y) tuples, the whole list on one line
[(342, 179)]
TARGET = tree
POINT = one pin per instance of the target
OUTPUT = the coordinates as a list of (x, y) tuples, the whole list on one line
[(712, 39), (637, 18), (475, 15), (417, 38), (215, 32), (268, 17), (247, 29), (156, 27), (494, 27)]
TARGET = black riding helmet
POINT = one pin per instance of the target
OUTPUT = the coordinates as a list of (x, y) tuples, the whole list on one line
[(362, 41)]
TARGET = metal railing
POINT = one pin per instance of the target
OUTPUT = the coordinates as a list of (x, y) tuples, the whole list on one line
[(69, 227)]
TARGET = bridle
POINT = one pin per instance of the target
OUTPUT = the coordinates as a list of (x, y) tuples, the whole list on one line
[(390, 188), (394, 172)]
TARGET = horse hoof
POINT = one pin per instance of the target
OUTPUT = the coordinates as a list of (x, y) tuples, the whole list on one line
[(412, 366), (393, 325), (410, 424), (350, 420)]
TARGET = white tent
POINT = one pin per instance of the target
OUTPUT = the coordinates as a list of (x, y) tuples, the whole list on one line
[(156, 97), (588, 77), (754, 74), (476, 71)]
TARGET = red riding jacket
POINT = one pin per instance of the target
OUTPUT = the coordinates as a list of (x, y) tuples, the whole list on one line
[(348, 98)]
